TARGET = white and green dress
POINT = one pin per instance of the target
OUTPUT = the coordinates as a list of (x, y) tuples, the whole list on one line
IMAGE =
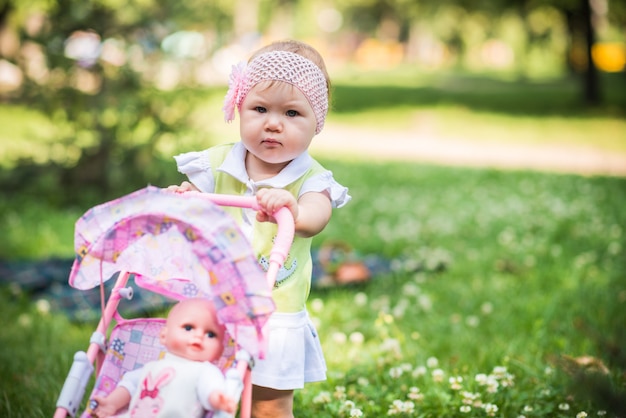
[(294, 354)]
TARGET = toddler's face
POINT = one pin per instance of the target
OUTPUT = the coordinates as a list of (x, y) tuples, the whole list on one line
[(192, 332), (277, 124)]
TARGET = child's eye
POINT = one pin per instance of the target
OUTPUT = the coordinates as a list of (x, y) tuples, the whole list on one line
[(187, 327), (292, 113), (211, 334), (260, 109)]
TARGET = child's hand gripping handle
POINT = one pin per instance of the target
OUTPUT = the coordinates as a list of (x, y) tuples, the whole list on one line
[(284, 221)]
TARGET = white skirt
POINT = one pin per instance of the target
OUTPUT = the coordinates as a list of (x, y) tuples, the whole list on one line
[(294, 354)]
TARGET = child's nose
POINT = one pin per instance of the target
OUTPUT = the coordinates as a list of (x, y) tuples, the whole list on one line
[(273, 122)]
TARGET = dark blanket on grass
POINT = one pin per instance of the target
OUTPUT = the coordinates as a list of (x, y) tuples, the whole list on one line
[(47, 280)]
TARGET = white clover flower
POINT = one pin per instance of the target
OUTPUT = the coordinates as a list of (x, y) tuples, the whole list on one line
[(355, 413), (363, 381), (347, 405), (419, 371), (601, 413), (390, 345), (360, 299), (317, 305), (564, 406), (425, 302), (24, 320), (340, 392), (395, 372), (410, 289), (527, 408), (455, 382), (492, 384), (548, 371), (399, 310), (469, 398), (43, 306), (356, 338), (486, 308), (465, 409), (507, 381), (490, 409), (499, 371), (472, 321), (400, 407), (339, 337), (395, 408), (481, 379), (415, 395), (322, 397), (438, 375), (432, 362), (581, 414)]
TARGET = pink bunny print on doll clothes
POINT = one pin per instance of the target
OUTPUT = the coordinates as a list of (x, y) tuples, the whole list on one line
[(150, 403), (175, 387)]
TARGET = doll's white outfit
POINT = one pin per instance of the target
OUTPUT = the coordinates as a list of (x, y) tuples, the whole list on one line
[(294, 355), (172, 387)]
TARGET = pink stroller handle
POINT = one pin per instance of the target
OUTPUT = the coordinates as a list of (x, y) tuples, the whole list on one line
[(284, 221)]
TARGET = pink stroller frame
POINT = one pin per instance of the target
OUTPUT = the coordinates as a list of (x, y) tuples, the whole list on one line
[(180, 246)]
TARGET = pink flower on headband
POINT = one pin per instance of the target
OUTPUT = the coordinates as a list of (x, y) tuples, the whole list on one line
[(235, 83)]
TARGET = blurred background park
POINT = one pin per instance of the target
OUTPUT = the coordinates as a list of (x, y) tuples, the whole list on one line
[(497, 287), (92, 92)]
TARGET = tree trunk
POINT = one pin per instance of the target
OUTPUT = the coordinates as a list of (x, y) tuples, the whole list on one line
[(592, 94)]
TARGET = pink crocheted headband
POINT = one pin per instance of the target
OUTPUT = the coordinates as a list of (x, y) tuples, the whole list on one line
[(278, 66)]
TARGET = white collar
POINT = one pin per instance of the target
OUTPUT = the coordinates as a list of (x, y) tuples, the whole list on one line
[(234, 165)]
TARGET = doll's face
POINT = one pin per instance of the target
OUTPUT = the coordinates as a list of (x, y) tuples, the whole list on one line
[(193, 332)]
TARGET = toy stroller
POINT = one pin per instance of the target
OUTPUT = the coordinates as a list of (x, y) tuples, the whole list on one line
[(179, 246)]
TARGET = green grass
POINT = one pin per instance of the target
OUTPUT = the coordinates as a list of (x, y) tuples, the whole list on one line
[(493, 270)]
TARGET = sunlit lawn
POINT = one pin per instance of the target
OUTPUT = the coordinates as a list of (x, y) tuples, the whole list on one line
[(468, 108), (498, 276)]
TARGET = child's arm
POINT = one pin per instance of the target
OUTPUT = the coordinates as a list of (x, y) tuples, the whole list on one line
[(108, 406), (220, 401), (311, 212)]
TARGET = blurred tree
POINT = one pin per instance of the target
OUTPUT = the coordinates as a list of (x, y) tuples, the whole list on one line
[(582, 16), (91, 66)]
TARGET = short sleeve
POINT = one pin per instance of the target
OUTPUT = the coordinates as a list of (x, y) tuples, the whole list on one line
[(130, 380), (325, 182), (196, 166), (211, 378)]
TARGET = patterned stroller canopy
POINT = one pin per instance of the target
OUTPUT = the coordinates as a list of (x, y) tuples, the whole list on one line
[(180, 246)]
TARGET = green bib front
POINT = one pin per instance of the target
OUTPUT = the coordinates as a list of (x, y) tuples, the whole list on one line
[(293, 283)]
